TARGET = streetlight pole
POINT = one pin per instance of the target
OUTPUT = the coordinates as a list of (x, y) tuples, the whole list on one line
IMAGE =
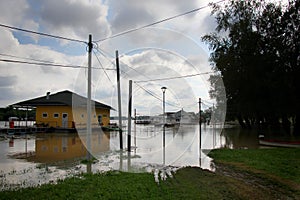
[(164, 108), (164, 113), (164, 125)]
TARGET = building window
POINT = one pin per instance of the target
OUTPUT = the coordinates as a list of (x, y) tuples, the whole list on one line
[(56, 115), (45, 115)]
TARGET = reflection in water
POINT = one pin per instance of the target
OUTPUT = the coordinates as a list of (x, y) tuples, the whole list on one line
[(153, 145), (89, 167), (236, 138), (53, 148), (29, 160), (58, 155)]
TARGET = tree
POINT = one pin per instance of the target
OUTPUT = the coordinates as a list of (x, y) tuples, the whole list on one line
[(255, 48)]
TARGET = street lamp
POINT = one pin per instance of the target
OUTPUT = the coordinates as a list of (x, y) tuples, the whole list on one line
[(164, 126), (164, 111)]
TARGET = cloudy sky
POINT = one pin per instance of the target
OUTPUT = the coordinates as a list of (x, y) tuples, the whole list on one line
[(152, 57)]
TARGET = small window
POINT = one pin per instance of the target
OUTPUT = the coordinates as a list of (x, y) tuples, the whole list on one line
[(56, 115), (55, 149), (45, 115)]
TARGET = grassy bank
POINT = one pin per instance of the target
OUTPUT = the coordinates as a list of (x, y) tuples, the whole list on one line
[(283, 163), (187, 183), (274, 169)]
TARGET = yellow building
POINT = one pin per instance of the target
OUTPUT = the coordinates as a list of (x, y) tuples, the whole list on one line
[(66, 110)]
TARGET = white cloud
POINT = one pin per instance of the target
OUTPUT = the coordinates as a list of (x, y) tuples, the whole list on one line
[(75, 18), (168, 49)]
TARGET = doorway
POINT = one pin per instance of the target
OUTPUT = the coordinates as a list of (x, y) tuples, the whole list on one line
[(65, 120)]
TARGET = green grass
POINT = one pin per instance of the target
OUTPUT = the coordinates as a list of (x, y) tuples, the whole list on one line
[(280, 162), (187, 183)]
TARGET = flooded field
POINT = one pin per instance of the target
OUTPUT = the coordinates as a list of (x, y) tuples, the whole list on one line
[(29, 160)]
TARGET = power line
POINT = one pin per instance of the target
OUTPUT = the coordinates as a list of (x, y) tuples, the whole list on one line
[(156, 96), (42, 34), (41, 63), (24, 58), (49, 64), (100, 51), (102, 67), (155, 23), (176, 77), (105, 56)]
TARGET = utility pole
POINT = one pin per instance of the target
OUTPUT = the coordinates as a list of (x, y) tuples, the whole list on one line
[(89, 94), (119, 100), (200, 123), (129, 116), (135, 129)]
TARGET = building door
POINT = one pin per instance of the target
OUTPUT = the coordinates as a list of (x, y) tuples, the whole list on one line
[(100, 120), (65, 120)]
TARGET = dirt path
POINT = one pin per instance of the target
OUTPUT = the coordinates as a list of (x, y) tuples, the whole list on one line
[(275, 188)]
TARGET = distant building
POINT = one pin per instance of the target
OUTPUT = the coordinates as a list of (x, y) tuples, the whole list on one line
[(180, 117), (66, 109), (184, 117)]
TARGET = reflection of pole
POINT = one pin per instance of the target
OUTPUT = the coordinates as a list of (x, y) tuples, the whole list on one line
[(200, 124), (89, 167), (135, 130), (89, 92), (129, 116), (164, 148), (214, 128), (26, 144), (128, 161), (119, 100), (121, 161), (200, 156)]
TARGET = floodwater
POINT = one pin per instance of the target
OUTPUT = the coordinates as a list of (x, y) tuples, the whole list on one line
[(30, 160)]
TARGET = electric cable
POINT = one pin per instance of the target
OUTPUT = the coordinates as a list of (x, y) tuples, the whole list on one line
[(42, 34), (155, 23), (171, 78)]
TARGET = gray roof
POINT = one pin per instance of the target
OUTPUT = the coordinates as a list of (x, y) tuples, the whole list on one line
[(63, 98)]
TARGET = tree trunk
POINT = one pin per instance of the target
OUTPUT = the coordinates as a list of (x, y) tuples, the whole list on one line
[(241, 121), (297, 125), (286, 124)]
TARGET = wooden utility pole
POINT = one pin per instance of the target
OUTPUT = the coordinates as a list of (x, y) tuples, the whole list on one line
[(200, 123), (119, 100), (135, 129), (129, 116), (89, 95)]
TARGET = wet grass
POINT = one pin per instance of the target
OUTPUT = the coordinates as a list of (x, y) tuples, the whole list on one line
[(255, 174), (283, 163), (188, 183), (275, 169)]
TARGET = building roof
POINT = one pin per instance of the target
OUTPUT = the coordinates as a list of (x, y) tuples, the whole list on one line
[(63, 98)]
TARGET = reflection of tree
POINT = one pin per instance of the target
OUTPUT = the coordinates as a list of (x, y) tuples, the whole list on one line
[(256, 51), (218, 92), (9, 111)]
